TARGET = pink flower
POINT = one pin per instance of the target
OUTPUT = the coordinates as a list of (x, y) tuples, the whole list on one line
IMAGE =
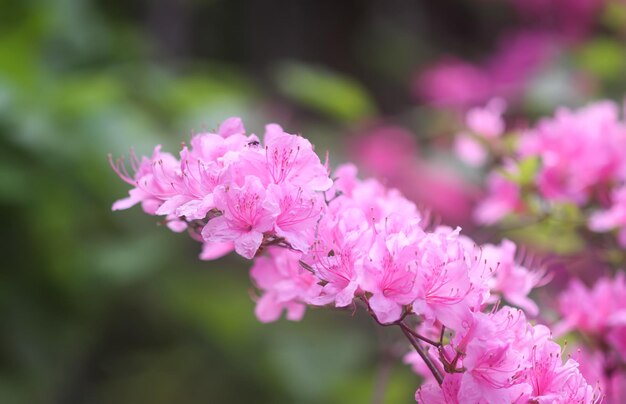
[(285, 284), (487, 121), (469, 150), (390, 277), (299, 213), (493, 347), (442, 283), (553, 381), (612, 218), (503, 198), (599, 312), (337, 255), (213, 251), (603, 371), (386, 150), (454, 83), (291, 159), (155, 180), (245, 217), (512, 280), (447, 393), (578, 150)]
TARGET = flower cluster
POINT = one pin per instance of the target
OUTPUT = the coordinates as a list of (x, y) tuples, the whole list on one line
[(599, 315), (346, 242), (499, 357), (251, 192), (456, 83), (575, 157)]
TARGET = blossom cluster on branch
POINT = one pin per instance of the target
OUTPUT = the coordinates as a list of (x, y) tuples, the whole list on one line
[(320, 239), (568, 170)]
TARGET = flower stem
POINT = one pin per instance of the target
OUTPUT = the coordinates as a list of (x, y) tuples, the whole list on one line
[(422, 353)]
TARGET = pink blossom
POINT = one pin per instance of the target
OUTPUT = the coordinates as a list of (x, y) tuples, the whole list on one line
[(386, 150), (291, 159), (553, 381), (454, 83), (447, 393), (212, 251), (599, 312), (469, 150), (578, 150), (573, 19), (493, 347), (285, 284), (487, 121), (612, 218), (245, 217), (155, 180), (512, 280), (442, 279), (503, 198), (390, 276), (299, 212), (602, 370), (337, 255)]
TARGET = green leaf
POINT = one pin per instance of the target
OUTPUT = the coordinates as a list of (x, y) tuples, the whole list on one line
[(525, 172), (604, 57), (324, 91)]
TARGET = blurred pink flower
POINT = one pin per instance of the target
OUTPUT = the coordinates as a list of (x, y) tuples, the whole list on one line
[(578, 150), (469, 150), (487, 121), (392, 155), (572, 19), (455, 83), (599, 312), (503, 198), (612, 218), (452, 82)]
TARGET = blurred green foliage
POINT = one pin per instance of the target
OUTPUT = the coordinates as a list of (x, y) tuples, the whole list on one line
[(103, 307)]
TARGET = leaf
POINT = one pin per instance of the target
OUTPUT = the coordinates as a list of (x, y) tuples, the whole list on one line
[(324, 91), (604, 57)]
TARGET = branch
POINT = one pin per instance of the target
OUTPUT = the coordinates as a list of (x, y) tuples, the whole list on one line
[(423, 354)]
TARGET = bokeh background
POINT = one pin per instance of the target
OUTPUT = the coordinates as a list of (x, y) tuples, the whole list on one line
[(103, 307)]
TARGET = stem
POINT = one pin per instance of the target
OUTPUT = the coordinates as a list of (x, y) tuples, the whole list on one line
[(420, 337), (424, 355)]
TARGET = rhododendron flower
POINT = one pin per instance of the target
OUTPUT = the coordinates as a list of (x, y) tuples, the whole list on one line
[(599, 312), (319, 242), (553, 381), (487, 121), (454, 83), (469, 150), (442, 189), (291, 159), (510, 279), (612, 218), (285, 284), (245, 217), (578, 150), (153, 180), (503, 197), (299, 212), (604, 371), (390, 277), (442, 279)]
